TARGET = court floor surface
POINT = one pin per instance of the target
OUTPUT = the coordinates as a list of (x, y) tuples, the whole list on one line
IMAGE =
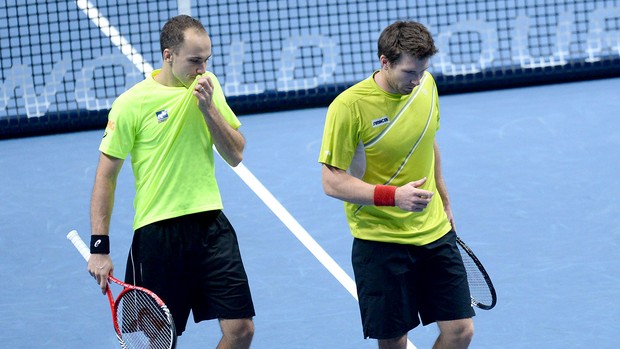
[(532, 174)]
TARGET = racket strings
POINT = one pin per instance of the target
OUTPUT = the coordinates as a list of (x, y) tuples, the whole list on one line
[(143, 322), (478, 287)]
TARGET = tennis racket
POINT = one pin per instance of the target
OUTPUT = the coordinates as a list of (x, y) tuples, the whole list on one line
[(140, 318), (481, 288)]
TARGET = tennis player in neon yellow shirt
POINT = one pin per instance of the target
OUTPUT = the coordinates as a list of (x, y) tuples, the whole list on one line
[(184, 249), (379, 156)]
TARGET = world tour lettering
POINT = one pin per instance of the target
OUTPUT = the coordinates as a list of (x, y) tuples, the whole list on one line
[(600, 41)]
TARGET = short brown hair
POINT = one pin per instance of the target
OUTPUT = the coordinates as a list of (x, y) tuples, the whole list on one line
[(406, 37), (172, 34)]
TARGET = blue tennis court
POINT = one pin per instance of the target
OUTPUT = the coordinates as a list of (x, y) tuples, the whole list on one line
[(532, 174)]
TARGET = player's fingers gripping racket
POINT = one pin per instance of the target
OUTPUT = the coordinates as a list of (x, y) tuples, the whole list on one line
[(481, 288), (140, 318)]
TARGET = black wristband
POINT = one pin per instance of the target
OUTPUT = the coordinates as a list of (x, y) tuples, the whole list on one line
[(99, 244)]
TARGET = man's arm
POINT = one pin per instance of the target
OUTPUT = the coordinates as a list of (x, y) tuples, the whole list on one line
[(441, 187), (101, 204), (228, 141), (339, 184)]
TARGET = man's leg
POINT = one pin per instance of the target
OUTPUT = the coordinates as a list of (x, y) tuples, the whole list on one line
[(393, 343), (236, 333), (455, 334)]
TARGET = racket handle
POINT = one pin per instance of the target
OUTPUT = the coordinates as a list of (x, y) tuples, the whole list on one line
[(79, 244)]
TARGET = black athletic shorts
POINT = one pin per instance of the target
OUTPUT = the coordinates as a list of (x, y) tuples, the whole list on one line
[(193, 263), (399, 284)]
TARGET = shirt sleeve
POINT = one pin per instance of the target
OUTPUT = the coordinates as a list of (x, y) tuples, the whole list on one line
[(340, 136), (119, 135)]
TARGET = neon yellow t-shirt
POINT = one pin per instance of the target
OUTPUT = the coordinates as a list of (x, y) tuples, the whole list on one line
[(170, 146), (385, 138)]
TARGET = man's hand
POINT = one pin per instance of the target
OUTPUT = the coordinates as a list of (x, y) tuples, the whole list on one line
[(99, 267), (410, 198), (203, 91)]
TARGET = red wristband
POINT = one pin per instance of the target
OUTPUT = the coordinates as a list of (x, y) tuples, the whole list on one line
[(385, 195)]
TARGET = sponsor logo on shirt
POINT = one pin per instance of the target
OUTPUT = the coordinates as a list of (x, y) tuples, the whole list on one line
[(162, 115), (110, 126), (380, 121)]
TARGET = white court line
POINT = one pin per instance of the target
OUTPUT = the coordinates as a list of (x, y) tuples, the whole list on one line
[(116, 38), (300, 233), (184, 7), (248, 178)]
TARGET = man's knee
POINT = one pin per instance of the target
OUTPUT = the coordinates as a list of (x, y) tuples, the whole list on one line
[(393, 343), (238, 330), (465, 331), (458, 331)]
